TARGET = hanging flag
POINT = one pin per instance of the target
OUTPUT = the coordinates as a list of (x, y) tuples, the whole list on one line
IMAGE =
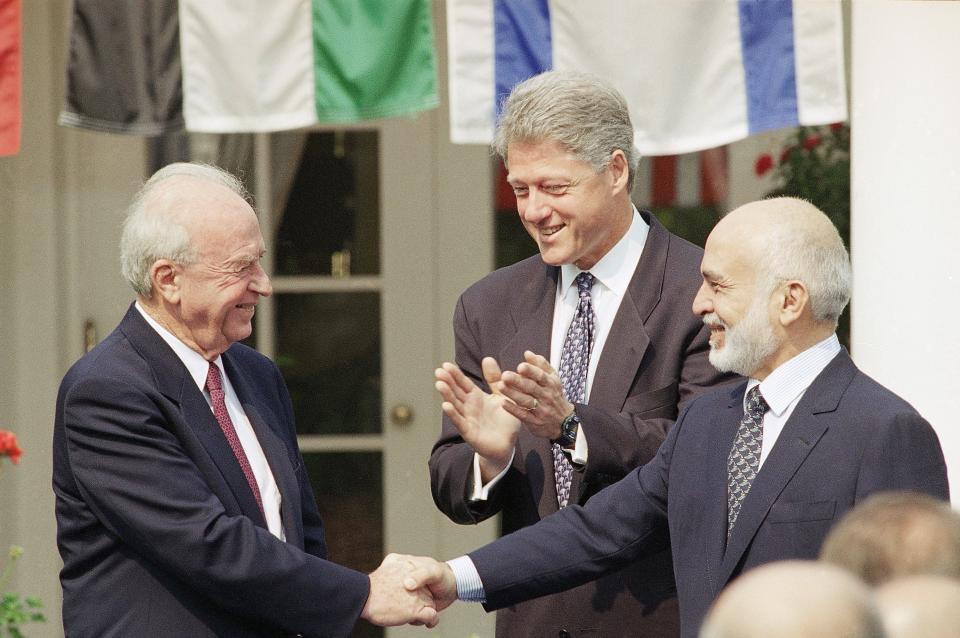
[(697, 74), (9, 77), (221, 66)]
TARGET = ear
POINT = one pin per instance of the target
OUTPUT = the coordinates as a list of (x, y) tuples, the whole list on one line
[(793, 300), (166, 277), (619, 170)]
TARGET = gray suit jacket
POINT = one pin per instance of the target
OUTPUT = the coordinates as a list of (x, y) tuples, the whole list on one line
[(653, 363), (849, 437)]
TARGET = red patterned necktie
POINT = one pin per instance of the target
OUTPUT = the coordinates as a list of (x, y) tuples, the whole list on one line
[(215, 388)]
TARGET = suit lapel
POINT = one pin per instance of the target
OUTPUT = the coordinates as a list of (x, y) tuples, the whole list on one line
[(628, 339), (532, 314), (805, 427), (174, 382), (274, 449)]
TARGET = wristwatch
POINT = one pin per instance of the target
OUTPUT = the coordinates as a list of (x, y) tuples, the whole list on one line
[(568, 430)]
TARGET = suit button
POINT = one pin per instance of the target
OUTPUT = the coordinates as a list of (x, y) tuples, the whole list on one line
[(564, 634)]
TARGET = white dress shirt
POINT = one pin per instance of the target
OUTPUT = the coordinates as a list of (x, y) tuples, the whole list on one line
[(612, 275), (786, 385), (198, 367)]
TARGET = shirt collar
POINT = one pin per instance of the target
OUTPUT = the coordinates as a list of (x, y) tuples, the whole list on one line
[(196, 365), (791, 379), (616, 268)]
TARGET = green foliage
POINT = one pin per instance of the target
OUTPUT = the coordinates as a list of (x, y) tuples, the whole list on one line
[(15, 612), (693, 223)]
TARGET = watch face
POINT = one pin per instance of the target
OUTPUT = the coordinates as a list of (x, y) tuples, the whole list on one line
[(568, 429)]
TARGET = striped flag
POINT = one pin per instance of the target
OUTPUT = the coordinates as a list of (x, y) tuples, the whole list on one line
[(9, 77), (697, 74), (222, 66)]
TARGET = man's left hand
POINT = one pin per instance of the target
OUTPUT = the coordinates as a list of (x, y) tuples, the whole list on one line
[(537, 395)]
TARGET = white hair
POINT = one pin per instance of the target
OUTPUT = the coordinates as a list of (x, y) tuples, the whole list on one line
[(149, 235), (818, 259)]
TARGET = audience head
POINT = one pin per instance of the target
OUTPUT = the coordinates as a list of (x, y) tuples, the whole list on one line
[(894, 534), (920, 607), (794, 599), (191, 249), (776, 277)]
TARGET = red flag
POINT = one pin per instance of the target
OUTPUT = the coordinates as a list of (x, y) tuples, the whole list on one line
[(9, 77)]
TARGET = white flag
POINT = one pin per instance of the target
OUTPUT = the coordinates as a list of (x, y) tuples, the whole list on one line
[(696, 73)]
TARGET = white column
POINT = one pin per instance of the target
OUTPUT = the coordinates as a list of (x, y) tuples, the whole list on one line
[(905, 187)]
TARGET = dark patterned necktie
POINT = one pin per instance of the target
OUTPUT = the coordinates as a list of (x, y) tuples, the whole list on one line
[(215, 388), (574, 365), (744, 459)]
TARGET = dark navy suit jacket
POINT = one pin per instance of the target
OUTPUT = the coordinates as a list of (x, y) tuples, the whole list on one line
[(847, 438), (159, 532)]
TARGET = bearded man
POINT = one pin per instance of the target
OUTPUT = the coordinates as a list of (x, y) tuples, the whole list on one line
[(747, 476)]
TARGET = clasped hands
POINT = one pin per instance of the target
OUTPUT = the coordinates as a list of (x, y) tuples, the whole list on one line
[(532, 397), (409, 590)]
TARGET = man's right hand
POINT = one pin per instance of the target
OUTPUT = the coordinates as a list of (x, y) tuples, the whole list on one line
[(435, 577), (479, 416)]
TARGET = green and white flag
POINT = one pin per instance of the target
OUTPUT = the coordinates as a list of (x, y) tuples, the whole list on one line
[(247, 65)]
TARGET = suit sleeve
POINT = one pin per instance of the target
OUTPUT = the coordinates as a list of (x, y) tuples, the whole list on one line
[(451, 460), (904, 453), (618, 526), (137, 477), (619, 442)]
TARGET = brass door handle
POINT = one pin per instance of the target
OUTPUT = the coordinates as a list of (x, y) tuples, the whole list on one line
[(401, 414)]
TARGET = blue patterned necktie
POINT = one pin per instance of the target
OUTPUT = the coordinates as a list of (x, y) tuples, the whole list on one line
[(574, 364), (744, 459)]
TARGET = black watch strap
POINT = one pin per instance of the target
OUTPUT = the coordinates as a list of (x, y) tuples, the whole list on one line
[(568, 430)]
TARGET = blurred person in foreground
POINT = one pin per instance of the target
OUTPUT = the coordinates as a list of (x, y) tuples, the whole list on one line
[(896, 534), (748, 475), (922, 606), (794, 599), (598, 350), (183, 505)]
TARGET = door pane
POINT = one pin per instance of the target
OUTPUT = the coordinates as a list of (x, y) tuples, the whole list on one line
[(348, 487), (329, 214), (328, 348)]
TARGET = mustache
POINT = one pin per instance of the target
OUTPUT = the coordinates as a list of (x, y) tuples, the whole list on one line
[(714, 319)]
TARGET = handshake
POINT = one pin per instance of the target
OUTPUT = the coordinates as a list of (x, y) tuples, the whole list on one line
[(409, 590)]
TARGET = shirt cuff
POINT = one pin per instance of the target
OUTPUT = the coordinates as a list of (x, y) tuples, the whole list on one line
[(469, 586), (578, 455), (480, 491)]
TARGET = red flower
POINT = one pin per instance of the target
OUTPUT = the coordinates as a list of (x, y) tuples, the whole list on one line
[(812, 142), (836, 127), (763, 165), (785, 155), (9, 447)]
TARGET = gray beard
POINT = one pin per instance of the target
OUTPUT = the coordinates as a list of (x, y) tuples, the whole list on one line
[(747, 345)]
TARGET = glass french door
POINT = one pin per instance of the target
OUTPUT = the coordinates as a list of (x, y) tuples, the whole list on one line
[(348, 250)]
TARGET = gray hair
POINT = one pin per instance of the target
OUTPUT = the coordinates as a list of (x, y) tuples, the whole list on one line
[(149, 235), (818, 259), (580, 111)]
